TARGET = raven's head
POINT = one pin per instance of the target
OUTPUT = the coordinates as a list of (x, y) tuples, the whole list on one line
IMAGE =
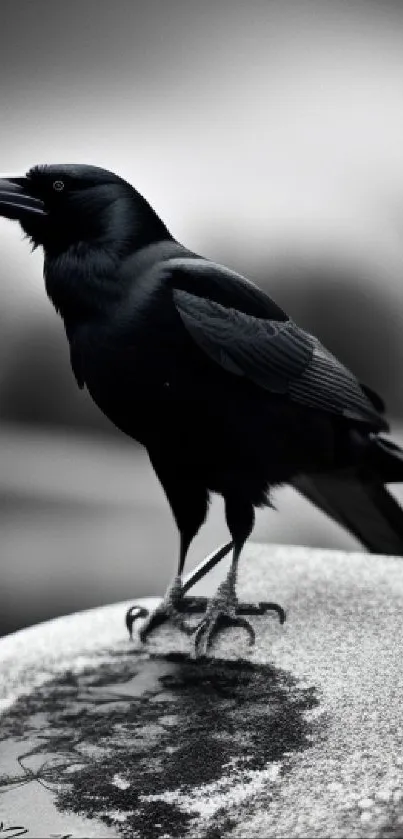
[(59, 206)]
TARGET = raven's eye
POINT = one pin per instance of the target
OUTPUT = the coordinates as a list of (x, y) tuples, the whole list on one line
[(58, 186)]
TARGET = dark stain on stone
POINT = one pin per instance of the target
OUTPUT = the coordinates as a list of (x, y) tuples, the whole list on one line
[(139, 726)]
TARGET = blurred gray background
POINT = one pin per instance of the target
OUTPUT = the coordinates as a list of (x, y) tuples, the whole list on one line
[(269, 136)]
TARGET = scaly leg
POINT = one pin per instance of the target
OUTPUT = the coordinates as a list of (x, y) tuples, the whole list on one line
[(189, 503), (222, 611), (169, 607)]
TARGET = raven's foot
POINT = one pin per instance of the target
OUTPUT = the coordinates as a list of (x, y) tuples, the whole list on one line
[(224, 609), (221, 611), (168, 609)]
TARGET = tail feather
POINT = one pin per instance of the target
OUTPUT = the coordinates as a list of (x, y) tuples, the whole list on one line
[(358, 499)]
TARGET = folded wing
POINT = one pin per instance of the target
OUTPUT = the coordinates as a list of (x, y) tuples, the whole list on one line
[(277, 355)]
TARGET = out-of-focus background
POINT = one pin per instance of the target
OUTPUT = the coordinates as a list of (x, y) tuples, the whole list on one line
[(269, 136)]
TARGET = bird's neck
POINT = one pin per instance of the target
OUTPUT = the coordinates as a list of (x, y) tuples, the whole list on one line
[(85, 281), (80, 283)]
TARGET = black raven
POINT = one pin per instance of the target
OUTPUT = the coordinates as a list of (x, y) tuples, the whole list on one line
[(227, 394)]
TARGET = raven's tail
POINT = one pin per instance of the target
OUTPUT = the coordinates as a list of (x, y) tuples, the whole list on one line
[(358, 499)]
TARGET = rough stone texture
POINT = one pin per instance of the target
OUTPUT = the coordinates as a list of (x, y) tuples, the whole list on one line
[(300, 737)]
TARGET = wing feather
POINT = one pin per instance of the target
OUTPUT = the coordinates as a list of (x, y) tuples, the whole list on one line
[(276, 355)]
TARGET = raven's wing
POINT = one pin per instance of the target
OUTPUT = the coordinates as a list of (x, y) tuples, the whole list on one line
[(275, 354)]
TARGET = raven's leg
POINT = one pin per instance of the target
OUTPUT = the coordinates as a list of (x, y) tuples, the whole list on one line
[(222, 609), (189, 503), (169, 607)]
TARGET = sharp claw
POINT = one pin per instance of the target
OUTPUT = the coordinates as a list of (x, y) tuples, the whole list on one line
[(171, 609), (273, 607), (132, 615), (244, 624), (200, 631), (205, 635)]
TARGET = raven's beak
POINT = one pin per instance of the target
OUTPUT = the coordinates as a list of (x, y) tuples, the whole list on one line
[(15, 200)]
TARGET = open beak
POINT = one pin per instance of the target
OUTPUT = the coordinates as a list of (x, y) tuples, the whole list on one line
[(15, 200)]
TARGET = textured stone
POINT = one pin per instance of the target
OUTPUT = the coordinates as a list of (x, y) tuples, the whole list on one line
[(299, 737)]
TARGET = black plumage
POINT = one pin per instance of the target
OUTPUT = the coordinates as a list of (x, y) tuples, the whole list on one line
[(225, 391)]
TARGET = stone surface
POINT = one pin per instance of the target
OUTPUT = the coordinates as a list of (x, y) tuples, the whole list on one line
[(300, 737)]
